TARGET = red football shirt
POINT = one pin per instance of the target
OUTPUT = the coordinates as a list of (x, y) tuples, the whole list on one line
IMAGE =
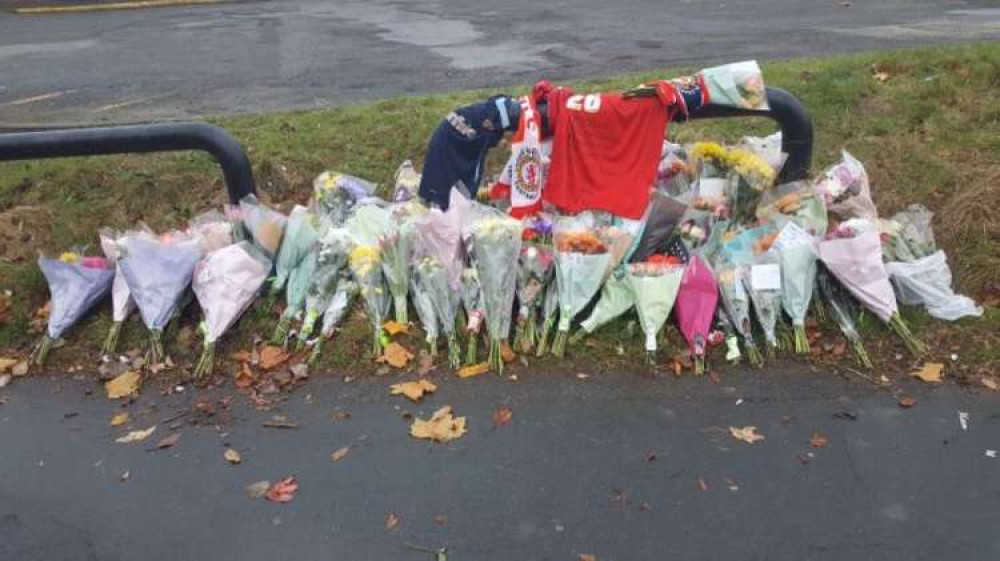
[(605, 151)]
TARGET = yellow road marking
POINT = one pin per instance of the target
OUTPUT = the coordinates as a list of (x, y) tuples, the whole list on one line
[(138, 4)]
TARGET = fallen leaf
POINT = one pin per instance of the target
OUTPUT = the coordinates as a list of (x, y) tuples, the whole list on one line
[(339, 453), (651, 457), (168, 442), (20, 369), (119, 419), (232, 456), (340, 415), (280, 422), (300, 371), (506, 353), (620, 497), (272, 357), (702, 484), (441, 427), (502, 416), (258, 489), (391, 521), (240, 356), (413, 390), (283, 491), (747, 434), (930, 372), (136, 435), (123, 385), (582, 376), (245, 378), (817, 440), (990, 383), (473, 370), (394, 327), (587, 557), (906, 402), (124, 476), (7, 363), (395, 355)]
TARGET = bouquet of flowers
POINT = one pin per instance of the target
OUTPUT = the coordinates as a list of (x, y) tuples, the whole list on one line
[(334, 248), (76, 284), (857, 262), (396, 247), (583, 260), (266, 225), (496, 243), (368, 224), (845, 190), (225, 283), (425, 311), (750, 178), (122, 303), (550, 314), (432, 278), (335, 312), (731, 279), (798, 276), (654, 286), (299, 281), (697, 298), (301, 235), (213, 229), (616, 299), (534, 271), (663, 215), (842, 309), (475, 311), (797, 202), (764, 286), (407, 183), (337, 193), (738, 84), (365, 264), (158, 270)]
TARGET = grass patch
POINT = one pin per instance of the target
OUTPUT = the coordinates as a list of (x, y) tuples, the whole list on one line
[(929, 134)]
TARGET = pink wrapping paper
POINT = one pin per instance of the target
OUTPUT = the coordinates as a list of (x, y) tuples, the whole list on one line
[(857, 263), (696, 302)]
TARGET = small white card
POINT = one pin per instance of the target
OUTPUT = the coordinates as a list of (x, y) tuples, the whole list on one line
[(712, 187), (792, 235), (765, 277)]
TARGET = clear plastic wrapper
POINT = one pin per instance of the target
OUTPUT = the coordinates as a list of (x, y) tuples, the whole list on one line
[(396, 247), (432, 278), (798, 202), (763, 284), (550, 315), (426, 313), (214, 230), (798, 276), (736, 301), (299, 281), (122, 303), (662, 218), (365, 265), (583, 260), (496, 243), (334, 249), (225, 282), (338, 193), (927, 282), (158, 270), (842, 310), (368, 224), (76, 284), (654, 288), (475, 311), (407, 183), (336, 311), (535, 270), (615, 299), (697, 299), (266, 225), (738, 84), (302, 233), (845, 190)]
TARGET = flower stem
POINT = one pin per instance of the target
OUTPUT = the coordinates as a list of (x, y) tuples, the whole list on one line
[(753, 354), (699, 365), (914, 345), (651, 358), (206, 364), (399, 306), (801, 340), (42, 352), (473, 348), (559, 345), (578, 336), (317, 350), (111, 343), (530, 332), (543, 342), (280, 336), (454, 352), (860, 353), (496, 357), (432, 346), (155, 354), (377, 343)]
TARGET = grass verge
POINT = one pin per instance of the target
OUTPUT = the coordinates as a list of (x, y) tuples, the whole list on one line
[(925, 122)]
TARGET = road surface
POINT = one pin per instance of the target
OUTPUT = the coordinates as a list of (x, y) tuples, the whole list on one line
[(254, 55), (624, 467)]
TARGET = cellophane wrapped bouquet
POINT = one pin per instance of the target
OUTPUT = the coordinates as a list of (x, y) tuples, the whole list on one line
[(432, 278), (853, 254), (214, 230), (76, 284), (843, 311), (475, 310), (615, 299), (396, 247), (426, 314), (845, 190), (496, 243), (697, 298), (266, 225), (549, 317), (731, 278), (158, 269), (122, 303), (797, 253), (331, 259), (534, 271), (750, 177), (301, 235), (738, 84), (338, 193), (763, 283), (296, 292), (654, 285), (226, 281), (583, 260), (365, 264), (336, 311)]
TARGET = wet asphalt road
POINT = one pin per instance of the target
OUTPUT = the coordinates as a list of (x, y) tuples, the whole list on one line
[(257, 55), (609, 465)]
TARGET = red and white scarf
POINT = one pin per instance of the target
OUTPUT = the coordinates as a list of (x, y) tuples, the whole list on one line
[(524, 175)]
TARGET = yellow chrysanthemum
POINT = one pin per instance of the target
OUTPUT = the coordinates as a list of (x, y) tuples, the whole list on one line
[(709, 151), (755, 170), (69, 257)]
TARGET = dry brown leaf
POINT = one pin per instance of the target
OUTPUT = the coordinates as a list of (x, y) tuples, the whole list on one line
[(124, 385), (232, 456), (241, 356), (283, 491), (339, 453), (245, 378), (272, 357), (587, 557), (990, 383), (502, 416), (702, 484), (258, 489), (930, 372), (906, 402), (20, 369), (441, 427), (747, 434), (340, 415), (7, 363), (136, 435), (817, 440), (119, 419), (413, 390), (394, 327), (506, 353), (395, 355), (168, 442), (391, 521), (473, 370)]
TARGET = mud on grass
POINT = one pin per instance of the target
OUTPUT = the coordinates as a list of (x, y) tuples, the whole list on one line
[(928, 133)]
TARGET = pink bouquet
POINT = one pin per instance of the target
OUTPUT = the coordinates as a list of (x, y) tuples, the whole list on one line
[(697, 299)]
